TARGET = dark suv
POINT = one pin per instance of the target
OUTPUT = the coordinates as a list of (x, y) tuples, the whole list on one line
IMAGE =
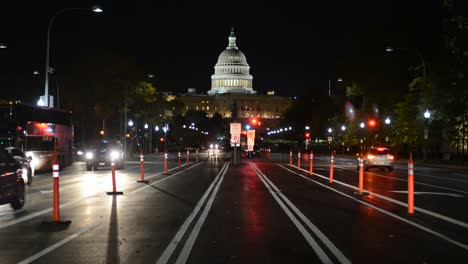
[(103, 154), (11, 181)]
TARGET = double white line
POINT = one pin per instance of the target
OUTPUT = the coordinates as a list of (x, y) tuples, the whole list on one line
[(185, 252), (282, 202)]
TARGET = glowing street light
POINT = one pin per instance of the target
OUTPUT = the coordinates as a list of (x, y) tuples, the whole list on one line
[(387, 120), (156, 128), (343, 128), (330, 130), (146, 126), (427, 114), (362, 125), (3, 46), (40, 102), (130, 122)]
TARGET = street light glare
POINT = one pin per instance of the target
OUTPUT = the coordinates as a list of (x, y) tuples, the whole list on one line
[(362, 125), (343, 128), (40, 102), (130, 122), (3, 46), (330, 130), (387, 120), (97, 9), (388, 49), (156, 128), (427, 114), (146, 125)]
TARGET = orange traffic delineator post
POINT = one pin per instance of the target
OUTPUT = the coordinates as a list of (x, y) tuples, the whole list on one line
[(410, 185), (142, 169), (196, 155), (165, 164), (299, 160), (332, 160), (178, 158), (56, 197), (114, 187), (290, 157), (361, 177), (188, 156), (311, 161)]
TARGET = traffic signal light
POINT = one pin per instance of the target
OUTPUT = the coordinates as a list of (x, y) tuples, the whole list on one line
[(127, 135), (161, 139), (244, 132), (101, 132), (307, 135), (254, 122), (371, 123)]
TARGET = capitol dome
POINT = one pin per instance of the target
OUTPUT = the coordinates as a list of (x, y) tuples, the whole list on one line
[(232, 73)]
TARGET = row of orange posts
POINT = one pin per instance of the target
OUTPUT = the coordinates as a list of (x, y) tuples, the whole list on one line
[(361, 174), (56, 187)]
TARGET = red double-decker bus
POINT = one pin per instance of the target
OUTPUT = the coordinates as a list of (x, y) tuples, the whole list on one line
[(40, 132)]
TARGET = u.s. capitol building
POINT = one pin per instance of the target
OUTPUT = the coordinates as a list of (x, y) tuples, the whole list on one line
[(232, 88)]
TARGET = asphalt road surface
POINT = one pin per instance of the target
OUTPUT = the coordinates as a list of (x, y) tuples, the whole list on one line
[(258, 211)]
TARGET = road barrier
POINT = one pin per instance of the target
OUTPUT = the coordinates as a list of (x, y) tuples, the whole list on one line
[(56, 196), (299, 160), (114, 188), (311, 165), (188, 156), (178, 158), (290, 157), (410, 184), (142, 169), (165, 164), (332, 160)]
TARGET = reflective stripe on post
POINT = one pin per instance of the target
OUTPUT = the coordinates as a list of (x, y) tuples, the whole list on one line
[(178, 160), (165, 163), (188, 156), (196, 155), (55, 169), (142, 170)]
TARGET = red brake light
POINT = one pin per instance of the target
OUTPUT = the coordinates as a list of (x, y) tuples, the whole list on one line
[(380, 149), (390, 157), (370, 156)]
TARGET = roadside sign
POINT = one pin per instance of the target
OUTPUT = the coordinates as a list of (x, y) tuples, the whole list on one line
[(235, 128), (330, 139), (235, 139), (250, 139)]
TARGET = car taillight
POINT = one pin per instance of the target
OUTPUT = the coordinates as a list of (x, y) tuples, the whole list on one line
[(370, 157), (390, 157)]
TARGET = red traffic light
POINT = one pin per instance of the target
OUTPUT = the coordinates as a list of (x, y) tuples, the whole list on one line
[(161, 139), (307, 135), (244, 132), (372, 123), (101, 132), (254, 121)]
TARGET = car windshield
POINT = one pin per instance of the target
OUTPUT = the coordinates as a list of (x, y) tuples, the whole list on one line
[(39, 143)]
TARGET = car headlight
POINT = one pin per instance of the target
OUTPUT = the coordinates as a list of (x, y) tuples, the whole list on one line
[(211, 146), (115, 155), (216, 146), (79, 152), (89, 155)]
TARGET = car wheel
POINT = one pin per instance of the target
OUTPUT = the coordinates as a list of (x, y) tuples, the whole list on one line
[(18, 201), (29, 176)]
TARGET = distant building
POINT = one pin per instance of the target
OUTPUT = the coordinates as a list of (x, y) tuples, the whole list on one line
[(231, 86)]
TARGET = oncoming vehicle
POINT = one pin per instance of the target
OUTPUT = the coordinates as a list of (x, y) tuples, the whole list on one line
[(378, 157), (11, 181), (24, 161), (103, 154)]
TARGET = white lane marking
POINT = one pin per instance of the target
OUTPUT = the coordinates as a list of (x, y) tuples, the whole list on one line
[(45, 191), (419, 209), (435, 193), (314, 228), (420, 183), (164, 258), (308, 237), (163, 179), (184, 254), (57, 245), (440, 235)]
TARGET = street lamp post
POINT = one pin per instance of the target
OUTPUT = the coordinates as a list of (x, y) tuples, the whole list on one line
[(46, 71), (427, 115)]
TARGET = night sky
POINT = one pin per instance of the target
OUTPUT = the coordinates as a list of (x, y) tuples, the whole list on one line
[(291, 48)]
